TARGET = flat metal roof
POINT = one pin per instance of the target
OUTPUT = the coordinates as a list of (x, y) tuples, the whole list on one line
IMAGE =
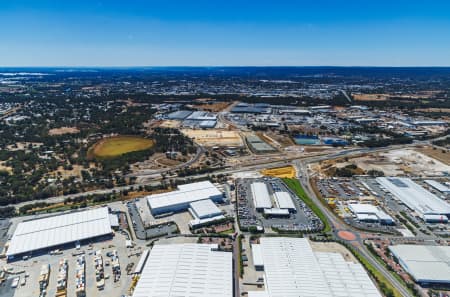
[(188, 270), (57, 230), (438, 186), (425, 263), (284, 200), (365, 211), (185, 194), (205, 208), (414, 196), (260, 195), (292, 269)]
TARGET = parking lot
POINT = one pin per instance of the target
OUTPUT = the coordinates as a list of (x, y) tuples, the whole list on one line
[(31, 268), (302, 220)]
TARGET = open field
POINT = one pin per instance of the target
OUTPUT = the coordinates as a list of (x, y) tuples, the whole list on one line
[(63, 130), (370, 97), (119, 145), (214, 107), (436, 154), (281, 172), (214, 137)]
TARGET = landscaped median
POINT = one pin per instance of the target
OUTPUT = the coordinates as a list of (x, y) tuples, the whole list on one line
[(296, 187)]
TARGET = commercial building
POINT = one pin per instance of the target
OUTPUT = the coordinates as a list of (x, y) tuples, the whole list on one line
[(370, 213), (292, 269), (188, 270), (179, 115), (428, 265), (180, 199), (204, 212), (438, 186), (283, 200), (42, 234), (424, 203), (260, 195)]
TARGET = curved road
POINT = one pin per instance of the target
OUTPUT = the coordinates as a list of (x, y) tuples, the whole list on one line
[(337, 226)]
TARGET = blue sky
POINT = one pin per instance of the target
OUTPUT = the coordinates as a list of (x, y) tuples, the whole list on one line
[(197, 32)]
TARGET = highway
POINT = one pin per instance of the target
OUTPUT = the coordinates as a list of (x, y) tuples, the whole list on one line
[(156, 177)]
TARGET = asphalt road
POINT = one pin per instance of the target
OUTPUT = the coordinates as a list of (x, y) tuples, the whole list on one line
[(358, 244)]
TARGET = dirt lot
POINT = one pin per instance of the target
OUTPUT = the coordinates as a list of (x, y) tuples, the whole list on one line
[(436, 154), (370, 97), (281, 172), (170, 124), (63, 130), (5, 168), (215, 107), (333, 247), (393, 163), (214, 137)]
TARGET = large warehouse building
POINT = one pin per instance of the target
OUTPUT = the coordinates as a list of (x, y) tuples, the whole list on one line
[(426, 204), (370, 213), (188, 270), (292, 269), (260, 195), (40, 235), (428, 265), (180, 199)]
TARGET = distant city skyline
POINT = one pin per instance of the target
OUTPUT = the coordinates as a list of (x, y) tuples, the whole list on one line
[(231, 33)]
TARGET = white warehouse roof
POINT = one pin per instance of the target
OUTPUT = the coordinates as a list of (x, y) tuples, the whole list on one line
[(366, 211), (185, 194), (57, 230), (292, 269), (438, 186), (205, 209), (414, 196), (187, 270), (260, 195), (283, 200), (426, 263)]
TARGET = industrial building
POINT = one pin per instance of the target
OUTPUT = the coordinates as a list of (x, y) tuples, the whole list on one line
[(427, 205), (428, 265), (283, 200), (438, 186), (258, 145), (204, 212), (188, 270), (42, 234), (179, 115), (292, 269), (260, 195), (370, 213), (180, 199)]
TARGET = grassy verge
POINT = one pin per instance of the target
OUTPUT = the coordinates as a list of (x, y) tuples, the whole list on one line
[(297, 188)]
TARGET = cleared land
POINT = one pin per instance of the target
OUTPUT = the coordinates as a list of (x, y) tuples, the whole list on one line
[(210, 138), (63, 130), (436, 154), (281, 172), (214, 107), (119, 145), (394, 163)]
